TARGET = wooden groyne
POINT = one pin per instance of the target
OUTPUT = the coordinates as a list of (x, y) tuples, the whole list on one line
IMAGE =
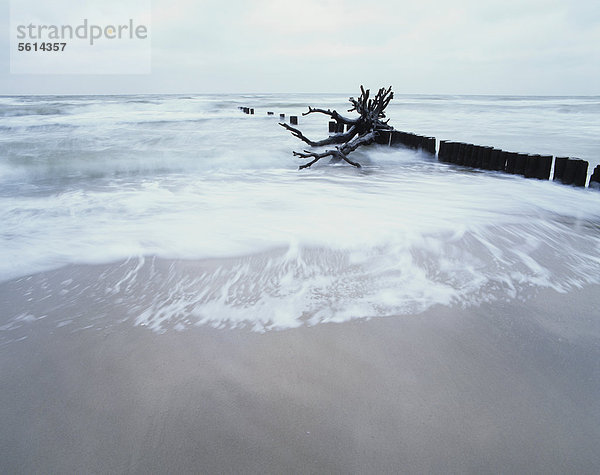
[(397, 138), (566, 170)]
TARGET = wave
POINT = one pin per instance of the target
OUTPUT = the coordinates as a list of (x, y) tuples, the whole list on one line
[(298, 285), (20, 111)]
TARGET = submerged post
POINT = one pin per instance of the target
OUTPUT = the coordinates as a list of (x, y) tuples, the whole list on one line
[(595, 178), (571, 171)]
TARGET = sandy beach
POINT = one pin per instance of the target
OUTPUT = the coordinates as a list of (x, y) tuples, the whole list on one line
[(505, 387), (300, 238)]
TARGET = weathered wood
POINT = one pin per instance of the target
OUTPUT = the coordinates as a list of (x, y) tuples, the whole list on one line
[(443, 151), (430, 145), (544, 167), (560, 165), (456, 149), (339, 152), (595, 178), (521, 163), (334, 139), (531, 164), (580, 168), (368, 127), (511, 162), (571, 171), (486, 160), (465, 160), (463, 151), (382, 137), (496, 159)]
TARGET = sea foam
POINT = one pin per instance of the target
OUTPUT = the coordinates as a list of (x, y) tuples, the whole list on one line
[(174, 179)]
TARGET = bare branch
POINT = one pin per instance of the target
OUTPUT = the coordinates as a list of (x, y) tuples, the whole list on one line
[(334, 139), (333, 114), (339, 152), (362, 130)]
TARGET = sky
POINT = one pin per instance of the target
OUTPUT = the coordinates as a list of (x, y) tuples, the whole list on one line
[(528, 47)]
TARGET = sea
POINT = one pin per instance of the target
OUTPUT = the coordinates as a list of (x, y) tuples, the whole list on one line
[(175, 211)]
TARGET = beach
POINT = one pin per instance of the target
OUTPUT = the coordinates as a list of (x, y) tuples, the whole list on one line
[(177, 297), (504, 387), (300, 238)]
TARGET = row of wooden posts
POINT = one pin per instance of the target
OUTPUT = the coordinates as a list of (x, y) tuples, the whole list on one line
[(567, 170), (395, 138), (248, 110)]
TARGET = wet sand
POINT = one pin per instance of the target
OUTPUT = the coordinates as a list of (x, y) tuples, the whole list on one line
[(500, 388)]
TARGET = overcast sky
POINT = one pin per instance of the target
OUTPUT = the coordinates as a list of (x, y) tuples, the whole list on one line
[(543, 47)]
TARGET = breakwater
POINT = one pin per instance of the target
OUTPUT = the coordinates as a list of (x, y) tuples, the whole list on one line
[(566, 170)]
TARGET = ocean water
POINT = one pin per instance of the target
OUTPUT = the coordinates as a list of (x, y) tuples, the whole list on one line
[(189, 212)]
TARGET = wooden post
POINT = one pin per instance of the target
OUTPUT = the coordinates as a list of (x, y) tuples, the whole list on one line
[(332, 126), (560, 164), (473, 157), (281, 116), (455, 148), (495, 159), (478, 161), (503, 160), (575, 172), (382, 137), (251, 111), (595, 178), (469, 150), (511, 162), (421, 142), (581, 172), (454, 151), (462, 151), (415, 141), (430, 145), (544, 167), (443, 151), (294, 119), (570, 172), (396, 139), (520, 163), (486, 158), (531, 164)]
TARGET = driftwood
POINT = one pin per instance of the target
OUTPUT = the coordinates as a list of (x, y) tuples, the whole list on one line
[(361, 130)]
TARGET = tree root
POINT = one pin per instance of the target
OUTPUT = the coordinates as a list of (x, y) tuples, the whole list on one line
[(362, 130)]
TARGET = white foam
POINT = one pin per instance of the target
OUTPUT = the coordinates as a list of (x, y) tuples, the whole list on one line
[(196, 179)]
